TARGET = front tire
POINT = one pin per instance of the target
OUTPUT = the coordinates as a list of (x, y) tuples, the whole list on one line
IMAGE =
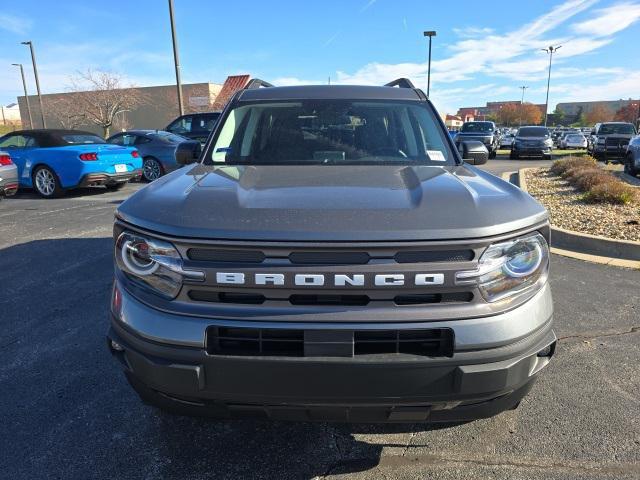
[(513, 156), (151, 169), (493, 154), (46, 182), (629, 169)]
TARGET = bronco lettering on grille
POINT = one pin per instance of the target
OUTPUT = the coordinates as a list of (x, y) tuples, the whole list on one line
[(337, 280)]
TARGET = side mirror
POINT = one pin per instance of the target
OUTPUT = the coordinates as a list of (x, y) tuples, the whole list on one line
[(473, 152), (187, 152)]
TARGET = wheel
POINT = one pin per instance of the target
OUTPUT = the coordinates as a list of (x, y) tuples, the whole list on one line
[(46, 182), (513, 156), (151, 169), (629, 169), (493, 154), (116, 186)]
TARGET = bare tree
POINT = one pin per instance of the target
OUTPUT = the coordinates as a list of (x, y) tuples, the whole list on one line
[(66, 111), (122, 122), (102, 96)]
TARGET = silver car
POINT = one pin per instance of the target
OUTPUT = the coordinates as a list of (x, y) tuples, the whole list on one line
[(8, 176)]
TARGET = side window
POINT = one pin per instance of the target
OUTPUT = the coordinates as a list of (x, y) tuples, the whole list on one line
[(141, 140), (14, 141), (30, 142), (182, 125), (117, 140)]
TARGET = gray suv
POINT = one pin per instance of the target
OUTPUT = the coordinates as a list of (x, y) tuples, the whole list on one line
[(485, 132), (332, 256)]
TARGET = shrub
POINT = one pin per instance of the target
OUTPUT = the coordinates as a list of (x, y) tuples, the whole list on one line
[(588, 179), (611, 192), (583, 163)]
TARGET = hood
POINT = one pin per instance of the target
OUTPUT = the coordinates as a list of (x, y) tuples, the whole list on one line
[(331, 203)]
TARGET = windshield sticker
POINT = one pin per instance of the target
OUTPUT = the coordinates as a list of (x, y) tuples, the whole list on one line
[(436, 155)]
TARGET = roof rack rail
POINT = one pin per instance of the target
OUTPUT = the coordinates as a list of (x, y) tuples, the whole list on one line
[(400, 82), (257, 83)]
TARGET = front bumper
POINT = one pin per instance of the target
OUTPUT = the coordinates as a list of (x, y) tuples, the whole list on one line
[(530, 150), (472, 383), (102, 178)]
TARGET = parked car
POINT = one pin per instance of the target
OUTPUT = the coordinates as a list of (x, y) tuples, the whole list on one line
[(573, 140), (194, 126), (611, 140), (485, 132), (332, 256), (591, 138), (53, 161), (632, 157), (507, 140), (8, 176), (157, 149), (531, 142)]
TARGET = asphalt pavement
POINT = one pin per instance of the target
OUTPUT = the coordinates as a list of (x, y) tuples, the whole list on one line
[(66, 411)]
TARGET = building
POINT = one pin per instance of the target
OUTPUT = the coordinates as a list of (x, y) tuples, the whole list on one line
[(489, 111), (453, 122), (575, 109), (157, 107)]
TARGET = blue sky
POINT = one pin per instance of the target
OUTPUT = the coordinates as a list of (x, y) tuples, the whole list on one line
[(483, 50)]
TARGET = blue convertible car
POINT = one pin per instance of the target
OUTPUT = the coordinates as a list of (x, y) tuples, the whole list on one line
[(52, 161)]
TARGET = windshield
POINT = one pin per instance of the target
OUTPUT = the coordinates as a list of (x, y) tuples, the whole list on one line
[(331, 132), (616, 128), (477, 127), (79, 138), (533, 132)]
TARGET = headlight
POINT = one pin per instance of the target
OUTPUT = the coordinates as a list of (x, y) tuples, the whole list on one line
[(154, 263), (548, 142), (510, 268)]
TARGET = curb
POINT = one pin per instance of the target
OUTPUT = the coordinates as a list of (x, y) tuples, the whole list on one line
[(592, 248)]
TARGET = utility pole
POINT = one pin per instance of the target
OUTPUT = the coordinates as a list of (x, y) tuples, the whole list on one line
[(176, 59), (430, 34), (35, 74), (550, 51), (26, 95), (523, 88)]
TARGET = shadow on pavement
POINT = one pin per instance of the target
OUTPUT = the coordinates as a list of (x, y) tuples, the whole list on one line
[(67, 409)]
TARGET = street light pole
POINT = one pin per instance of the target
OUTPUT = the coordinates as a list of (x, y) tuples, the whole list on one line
[(550, 51), (430, 34), (35, 74), (176, 59), (26, 95), (523, 88)]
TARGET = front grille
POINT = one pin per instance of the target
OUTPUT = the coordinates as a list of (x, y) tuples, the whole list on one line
[(240, 341)]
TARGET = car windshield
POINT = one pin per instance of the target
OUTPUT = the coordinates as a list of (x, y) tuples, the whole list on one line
[(616, 128), (477, 127), (169, 137), (533, 132), (81, 138), (331, 132)]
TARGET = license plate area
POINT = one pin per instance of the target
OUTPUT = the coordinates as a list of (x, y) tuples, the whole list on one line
[(121, 168)]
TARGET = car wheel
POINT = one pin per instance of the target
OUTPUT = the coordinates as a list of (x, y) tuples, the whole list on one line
[(46, 183), (151, 169), (513, 156), (629, 169), (493, 154)]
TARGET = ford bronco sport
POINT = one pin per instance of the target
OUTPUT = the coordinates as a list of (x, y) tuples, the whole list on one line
[(331, 256)]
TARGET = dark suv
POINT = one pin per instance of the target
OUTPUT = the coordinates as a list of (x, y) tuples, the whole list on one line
[(484, 132), (194, 126), (610, 140), (331, 256), (531, 142)]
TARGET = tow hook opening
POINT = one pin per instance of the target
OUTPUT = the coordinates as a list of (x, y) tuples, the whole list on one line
[(548, 351)]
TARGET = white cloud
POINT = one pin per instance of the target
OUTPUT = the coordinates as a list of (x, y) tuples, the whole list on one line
[(294, 81), (14, 24), (609, 20), (368, 5), (471, 32)]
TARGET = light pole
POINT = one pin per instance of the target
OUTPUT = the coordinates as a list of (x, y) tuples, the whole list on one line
[(550, 51), (26, 95), (35, 74), (523, 88), (430, 34), (176, 59)]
